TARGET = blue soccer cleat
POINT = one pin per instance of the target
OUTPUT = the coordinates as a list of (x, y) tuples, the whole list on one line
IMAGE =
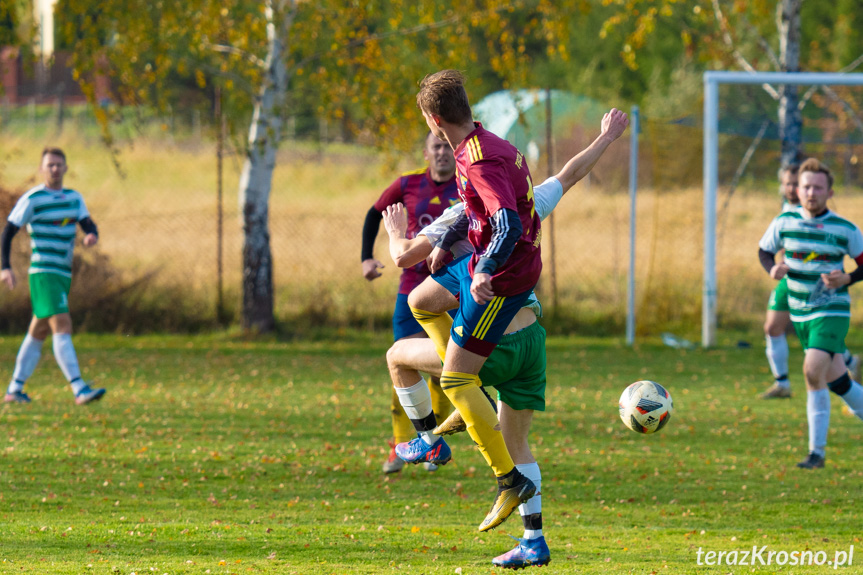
[(88, 395), (528, 553), (17, 397), (418, 451)]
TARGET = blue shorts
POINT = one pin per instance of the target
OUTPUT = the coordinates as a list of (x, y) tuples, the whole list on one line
[(404, 323), (450, 276), (455, 278)]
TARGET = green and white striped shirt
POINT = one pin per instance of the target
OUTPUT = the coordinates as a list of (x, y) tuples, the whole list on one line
[(51, 217), (813, 246), (788, 206)]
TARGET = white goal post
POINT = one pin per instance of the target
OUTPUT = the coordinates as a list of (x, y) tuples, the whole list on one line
[(712, 80)]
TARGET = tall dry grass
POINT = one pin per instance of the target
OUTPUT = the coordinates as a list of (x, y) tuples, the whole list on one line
[(158, 228)]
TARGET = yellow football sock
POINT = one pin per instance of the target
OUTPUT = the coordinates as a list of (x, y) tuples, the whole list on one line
[(441, 404), (482, 424), (437, 326), (403, 429)]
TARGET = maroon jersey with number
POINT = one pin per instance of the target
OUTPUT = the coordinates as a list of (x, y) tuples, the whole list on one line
[(425, 200), (492, 174)]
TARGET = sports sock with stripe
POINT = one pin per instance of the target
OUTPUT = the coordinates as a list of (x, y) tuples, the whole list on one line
[(851, 393), (25, 362), (64, 353), (441, 405), (437, 326), (482, 423), (818, 414), (417, 404), (777, 357), (403, 430), (531, 510)]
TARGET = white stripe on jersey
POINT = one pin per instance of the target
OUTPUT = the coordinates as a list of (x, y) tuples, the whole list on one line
[(501, 218), (51, 217), (813, 246)]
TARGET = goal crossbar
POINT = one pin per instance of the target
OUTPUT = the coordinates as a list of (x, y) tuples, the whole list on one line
[(712, 81)]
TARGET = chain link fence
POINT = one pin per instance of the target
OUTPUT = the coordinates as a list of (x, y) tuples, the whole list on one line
[(158, 217)]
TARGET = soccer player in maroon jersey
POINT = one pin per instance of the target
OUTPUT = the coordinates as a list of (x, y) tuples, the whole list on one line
[(426, 193), (502, 225)]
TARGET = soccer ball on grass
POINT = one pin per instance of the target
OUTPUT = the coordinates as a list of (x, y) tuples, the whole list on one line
[(645, 407)]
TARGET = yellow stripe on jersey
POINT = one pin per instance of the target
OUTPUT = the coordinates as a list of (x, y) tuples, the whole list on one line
[(416, 172), (469, 148), (478, 147), (488, 317)]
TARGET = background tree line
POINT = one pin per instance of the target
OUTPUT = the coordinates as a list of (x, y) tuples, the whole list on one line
[(357, 64)]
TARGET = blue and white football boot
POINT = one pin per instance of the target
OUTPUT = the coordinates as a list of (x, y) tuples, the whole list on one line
[(418, 451), (528, 553)]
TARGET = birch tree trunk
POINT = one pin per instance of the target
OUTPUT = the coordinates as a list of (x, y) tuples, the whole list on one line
[(257, 177), (790, 116)]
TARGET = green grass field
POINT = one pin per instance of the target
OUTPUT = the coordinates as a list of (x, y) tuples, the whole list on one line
[(214, 454)]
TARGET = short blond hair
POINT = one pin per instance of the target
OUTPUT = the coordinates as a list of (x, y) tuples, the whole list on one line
[(815, 166), (443, 95)]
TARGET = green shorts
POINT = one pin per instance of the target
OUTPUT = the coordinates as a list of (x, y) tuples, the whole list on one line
[(779, 297), (516, 368), (824, 333), (49, 294)]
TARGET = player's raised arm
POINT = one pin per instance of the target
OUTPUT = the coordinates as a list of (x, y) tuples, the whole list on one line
[(405, 252), (549, 193), (614, 122), (455, 232)]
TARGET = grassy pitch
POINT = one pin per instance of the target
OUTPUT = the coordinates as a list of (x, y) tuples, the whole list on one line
[(216, 455)]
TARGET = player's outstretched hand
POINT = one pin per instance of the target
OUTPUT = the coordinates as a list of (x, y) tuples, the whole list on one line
[(396, 220), (370, 269), (91, 240), (8, 277), (480, 288), (614, 122), (437, 259)]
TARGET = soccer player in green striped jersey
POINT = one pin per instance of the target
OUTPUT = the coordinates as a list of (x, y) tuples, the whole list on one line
[(816, 242), (51, 213), (778, 316)]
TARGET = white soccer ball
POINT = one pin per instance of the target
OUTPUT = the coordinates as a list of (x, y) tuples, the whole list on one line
[(645, 407)]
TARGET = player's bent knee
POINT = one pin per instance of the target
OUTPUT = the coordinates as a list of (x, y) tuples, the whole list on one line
[(417, 298), (394, 355)]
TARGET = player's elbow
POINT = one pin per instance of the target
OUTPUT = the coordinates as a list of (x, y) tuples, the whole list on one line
[(401, 259)]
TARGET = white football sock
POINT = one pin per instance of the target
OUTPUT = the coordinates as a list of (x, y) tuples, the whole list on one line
[(64, 353), (417, 403), (777, 357), (854, 398), (847, 357), (25, 363), (818, 413), (534, 504)]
